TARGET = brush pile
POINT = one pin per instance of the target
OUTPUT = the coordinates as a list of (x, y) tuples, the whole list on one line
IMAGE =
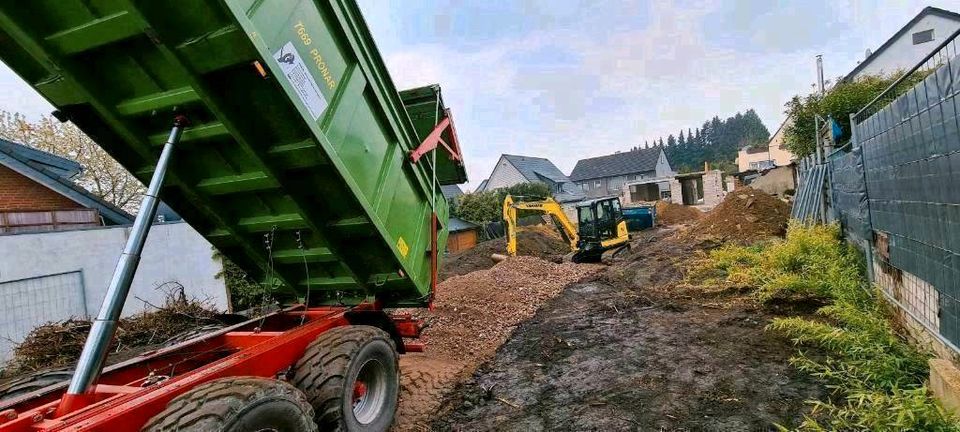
[(58, 344)]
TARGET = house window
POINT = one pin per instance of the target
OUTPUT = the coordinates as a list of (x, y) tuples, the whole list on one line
[(632, 177), (922, 37), (584, 186), (559, 188), (597, 184)]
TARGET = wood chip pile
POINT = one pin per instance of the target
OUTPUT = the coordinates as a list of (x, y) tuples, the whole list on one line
[(476, 312)]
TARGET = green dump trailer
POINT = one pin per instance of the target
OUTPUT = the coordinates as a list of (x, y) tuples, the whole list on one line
[(296, 131), (275, 130)]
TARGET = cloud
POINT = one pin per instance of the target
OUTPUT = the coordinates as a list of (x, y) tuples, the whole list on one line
[(568, 95)]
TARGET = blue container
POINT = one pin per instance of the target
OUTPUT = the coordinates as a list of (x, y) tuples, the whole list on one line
[(639, 218)]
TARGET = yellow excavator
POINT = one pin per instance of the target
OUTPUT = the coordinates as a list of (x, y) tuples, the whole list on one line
[(600, 234)]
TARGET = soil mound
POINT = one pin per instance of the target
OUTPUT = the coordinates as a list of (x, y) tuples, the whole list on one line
[(746, 215), (672, 214), (541, 241)]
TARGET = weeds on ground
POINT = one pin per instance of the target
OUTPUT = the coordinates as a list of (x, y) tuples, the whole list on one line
[(877, 378)]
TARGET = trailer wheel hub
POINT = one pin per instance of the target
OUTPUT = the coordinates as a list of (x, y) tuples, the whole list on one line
[(369, 391), (359, 390)]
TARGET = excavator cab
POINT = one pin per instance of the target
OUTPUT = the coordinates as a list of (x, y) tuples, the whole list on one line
[(601, 230)]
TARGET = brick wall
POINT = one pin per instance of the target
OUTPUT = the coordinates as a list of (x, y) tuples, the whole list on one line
[(21, 193)]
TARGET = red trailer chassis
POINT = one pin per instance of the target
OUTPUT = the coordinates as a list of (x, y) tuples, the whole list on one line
[(128, 394)]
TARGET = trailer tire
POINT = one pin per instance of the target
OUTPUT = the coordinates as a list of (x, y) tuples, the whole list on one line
[(33, 382), (237, 404), (331, 369)]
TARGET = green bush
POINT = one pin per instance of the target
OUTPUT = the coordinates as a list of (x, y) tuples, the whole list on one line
[(845, 98), (877, 377), (245, 293), (483, 207)]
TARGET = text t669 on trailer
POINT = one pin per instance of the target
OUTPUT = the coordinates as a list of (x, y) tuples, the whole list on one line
[(273, 128)]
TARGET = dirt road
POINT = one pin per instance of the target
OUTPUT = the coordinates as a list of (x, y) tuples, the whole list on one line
[(632, 351)]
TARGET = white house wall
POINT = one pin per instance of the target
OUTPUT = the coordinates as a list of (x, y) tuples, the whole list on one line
[(902, 53), (504, 175), (173, 252), (663, 168)]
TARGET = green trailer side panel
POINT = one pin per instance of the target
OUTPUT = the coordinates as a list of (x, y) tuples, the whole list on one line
[(297, 131)]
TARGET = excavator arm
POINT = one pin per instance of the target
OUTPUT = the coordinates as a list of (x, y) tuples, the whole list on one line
[(567, 230)]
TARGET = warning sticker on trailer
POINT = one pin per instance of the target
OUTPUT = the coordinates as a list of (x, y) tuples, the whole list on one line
[(303, 83)]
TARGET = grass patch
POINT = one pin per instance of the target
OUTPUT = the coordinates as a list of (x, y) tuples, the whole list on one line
[(877, 378)]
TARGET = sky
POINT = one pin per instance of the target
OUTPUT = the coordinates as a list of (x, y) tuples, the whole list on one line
[(569, 79)]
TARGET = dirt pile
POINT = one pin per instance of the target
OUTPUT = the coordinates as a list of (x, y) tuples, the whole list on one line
[(672, 214), (745, 216), (474, 314), (59, 344), (541, 241)]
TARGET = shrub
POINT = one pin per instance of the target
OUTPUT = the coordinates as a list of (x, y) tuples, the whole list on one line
[(845, 98), (483, 207), (877, 377)]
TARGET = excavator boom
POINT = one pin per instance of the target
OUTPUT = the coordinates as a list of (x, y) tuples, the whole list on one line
[(548, 206)]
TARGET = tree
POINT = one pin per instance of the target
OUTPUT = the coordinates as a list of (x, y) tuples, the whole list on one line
[(716, 141), (483, 207), (845, 98), (102, 175)]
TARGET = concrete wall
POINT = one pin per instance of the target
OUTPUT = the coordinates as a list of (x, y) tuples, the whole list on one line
[(902, 53), (676, 191), (53, 276), (173, 252), (712, 188), (504, 175)]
